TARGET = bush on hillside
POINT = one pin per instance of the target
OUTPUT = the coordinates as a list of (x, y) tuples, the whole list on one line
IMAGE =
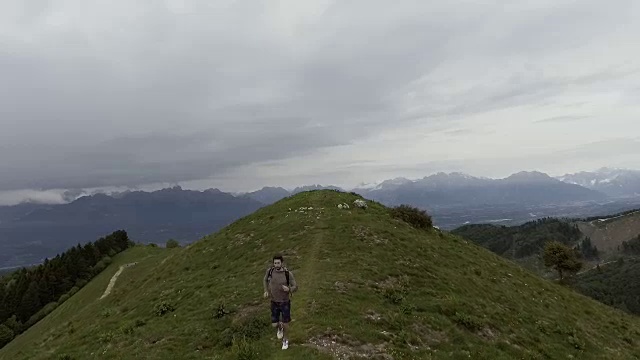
[(171, 243), (13, 324), (413, 216), (6, 335), (631, 247), (561, 258), (163, 308)]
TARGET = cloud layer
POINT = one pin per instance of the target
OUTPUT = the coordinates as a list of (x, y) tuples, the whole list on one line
[(249, 93)]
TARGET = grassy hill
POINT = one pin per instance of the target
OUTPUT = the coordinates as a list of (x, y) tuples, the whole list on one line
[(608, 233), (522, 243), (370, 285)]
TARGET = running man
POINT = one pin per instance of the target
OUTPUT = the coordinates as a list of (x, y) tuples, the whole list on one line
[(279, 283)]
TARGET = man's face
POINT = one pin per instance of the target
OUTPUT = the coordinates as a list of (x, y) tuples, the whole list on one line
[(277, 263)]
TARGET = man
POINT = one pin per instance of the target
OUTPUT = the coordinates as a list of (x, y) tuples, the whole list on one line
[(276, 287)]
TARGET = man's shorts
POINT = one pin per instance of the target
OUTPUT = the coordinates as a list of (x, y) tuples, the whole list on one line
[(280, 308)]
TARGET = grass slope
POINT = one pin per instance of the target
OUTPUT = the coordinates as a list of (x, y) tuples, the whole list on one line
[(608, 234), (374, 285)]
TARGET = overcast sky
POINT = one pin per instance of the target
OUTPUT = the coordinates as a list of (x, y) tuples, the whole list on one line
[(242, 94)]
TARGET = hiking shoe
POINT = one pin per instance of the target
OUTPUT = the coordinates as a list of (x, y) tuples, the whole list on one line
[(285, 344), (280, 333)]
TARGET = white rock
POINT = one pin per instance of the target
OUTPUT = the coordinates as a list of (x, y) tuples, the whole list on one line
[(360, 203)]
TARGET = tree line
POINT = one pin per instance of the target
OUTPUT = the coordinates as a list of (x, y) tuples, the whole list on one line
[(524, 240), (631, 247), (615, 284), (29, 294)]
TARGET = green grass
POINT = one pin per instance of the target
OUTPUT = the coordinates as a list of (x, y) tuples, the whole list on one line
[(366, 280)]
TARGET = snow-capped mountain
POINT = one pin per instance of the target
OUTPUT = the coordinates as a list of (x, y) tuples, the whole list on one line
[(383, 185), (611, 181), (459, 189)]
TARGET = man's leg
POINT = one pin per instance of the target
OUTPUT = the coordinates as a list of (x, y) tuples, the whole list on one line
[(286, 319), (275, 317)]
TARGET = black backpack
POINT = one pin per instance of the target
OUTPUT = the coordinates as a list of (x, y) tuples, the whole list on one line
[(286, 274)]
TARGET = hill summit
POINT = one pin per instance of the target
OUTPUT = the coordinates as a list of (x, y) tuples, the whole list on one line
[(370, 285)]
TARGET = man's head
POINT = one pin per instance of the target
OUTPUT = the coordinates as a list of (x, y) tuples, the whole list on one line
[(277, 261)]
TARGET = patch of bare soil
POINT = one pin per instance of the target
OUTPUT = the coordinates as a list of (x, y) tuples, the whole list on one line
[(249, 310), (345, 348), (487, 333)]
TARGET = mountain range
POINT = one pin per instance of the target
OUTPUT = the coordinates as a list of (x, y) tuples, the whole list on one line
[(613, 182), (459, 189), (372, 284), (29, 232)]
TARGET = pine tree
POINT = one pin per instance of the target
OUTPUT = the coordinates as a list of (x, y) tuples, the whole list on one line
[(562, 258)]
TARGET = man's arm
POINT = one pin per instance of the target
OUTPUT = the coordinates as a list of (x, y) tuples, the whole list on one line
[(293, 285), (265, 284)]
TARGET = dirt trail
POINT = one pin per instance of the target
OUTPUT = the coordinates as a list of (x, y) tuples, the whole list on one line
[(112, 282)]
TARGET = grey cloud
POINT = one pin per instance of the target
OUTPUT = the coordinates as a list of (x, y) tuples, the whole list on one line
[(459, 132), (562, 119), (166, 94)]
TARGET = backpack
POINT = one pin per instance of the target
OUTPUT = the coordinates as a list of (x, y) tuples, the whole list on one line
[(286, 274)]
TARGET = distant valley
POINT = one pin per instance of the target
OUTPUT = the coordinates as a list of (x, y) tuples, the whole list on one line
[(30, 232)]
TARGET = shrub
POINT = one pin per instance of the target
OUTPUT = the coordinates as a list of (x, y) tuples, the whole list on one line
[(163, 308), (221, 312), (171, 243), (48, 309), (413, 216), (470, 322), (106, 336), (6, 335), (106, 312), (395, 296), (63, 298), (252, 328), (98, 267), (249, 328), (127, 329)]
